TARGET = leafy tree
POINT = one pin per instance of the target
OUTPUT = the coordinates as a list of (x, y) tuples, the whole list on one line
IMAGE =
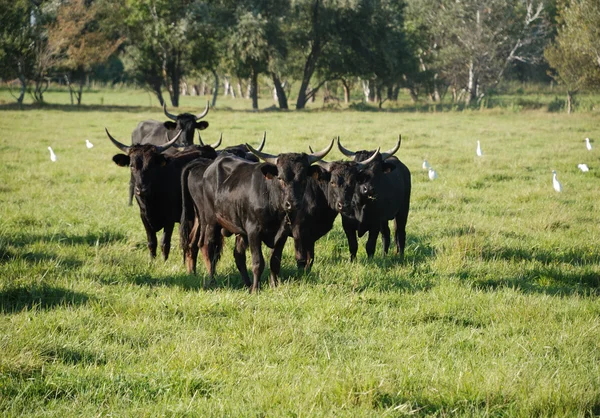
[(160, 49), (471, 43), (310, 26), (79, 41), (17, 40), (575, 53), (248, 47)]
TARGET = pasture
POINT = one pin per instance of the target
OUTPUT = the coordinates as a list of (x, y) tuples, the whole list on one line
[(495, 311)]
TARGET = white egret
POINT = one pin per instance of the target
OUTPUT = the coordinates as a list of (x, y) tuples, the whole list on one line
[(587, 144), (583, 167), (479, 153), (88, 144), (432, 174), (52, 155), (555, 182), (426, 165)]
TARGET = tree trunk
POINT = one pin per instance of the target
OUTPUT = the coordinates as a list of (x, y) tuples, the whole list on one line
[(366, 90), (569, 101), (216, 91), (68, 81), (311, 60), (281, 97), (80, 92), (472, 86), (23, 89), (346, 91), (254, 89)]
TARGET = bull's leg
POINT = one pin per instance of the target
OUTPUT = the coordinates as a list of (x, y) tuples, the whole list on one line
[(300, 254), (165, 243), (258, 262), (131, 187), (372, 241), (310, 256), (190, 254), (151, 236), (385, 236), (239, 255), (400, 235), (275, 262), (211, 250), (350, 230)]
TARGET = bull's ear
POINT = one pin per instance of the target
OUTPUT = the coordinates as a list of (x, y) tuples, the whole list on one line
[(121, 160), (201, 125), (170, 125), (318, 173), (387, 167), (269, 170)]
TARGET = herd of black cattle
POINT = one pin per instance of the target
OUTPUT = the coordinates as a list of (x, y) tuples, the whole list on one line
[(215, 194)]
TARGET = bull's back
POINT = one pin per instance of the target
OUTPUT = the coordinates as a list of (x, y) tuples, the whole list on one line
[(149, 132)]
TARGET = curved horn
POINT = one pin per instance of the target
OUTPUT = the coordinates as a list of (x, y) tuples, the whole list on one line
[(201, 115), (262, 144), (316, 156), (216, 144), (343, 150), (169, 115), (262, 155), (163, 148), (122, 147), (200, 139), (369, 160), (392, 151)]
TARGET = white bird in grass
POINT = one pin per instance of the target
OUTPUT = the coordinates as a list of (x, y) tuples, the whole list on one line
[(555, 182), (583, 167), (587, 144), (479, 153), (426, 165), (88, 144), (52, 155), (432, 174)]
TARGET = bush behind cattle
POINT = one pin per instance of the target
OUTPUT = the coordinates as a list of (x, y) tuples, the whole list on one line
[(495, 310)]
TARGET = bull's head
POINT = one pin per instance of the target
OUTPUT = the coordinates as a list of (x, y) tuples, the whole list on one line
[(368, 178), (339, 179), (187, 123), (146, 162), (291, 170)]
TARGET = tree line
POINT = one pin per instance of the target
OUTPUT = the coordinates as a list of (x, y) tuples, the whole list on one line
[(435, 49)]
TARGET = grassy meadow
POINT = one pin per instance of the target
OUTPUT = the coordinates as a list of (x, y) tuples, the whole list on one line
[(495, 311)]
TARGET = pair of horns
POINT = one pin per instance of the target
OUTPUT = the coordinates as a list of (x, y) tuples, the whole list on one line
[(159, 148), (269, 158), (174, 117), (213, 146), (361, 165), (384, 155)]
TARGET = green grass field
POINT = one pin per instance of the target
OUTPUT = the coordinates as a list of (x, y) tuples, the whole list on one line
[(495, 311)]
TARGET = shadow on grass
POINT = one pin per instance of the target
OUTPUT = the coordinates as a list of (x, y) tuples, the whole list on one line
[(573, 256), (18, 299), (89, 239), (548, 280)]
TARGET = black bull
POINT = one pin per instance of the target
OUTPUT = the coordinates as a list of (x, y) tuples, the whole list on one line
[(255, 201), (383, 194), (153, 132), (156, 179), (326, 195)]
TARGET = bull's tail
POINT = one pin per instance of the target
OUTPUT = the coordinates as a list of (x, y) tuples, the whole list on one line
[(188, 213)]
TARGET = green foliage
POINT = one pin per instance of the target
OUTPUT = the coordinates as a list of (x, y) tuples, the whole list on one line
[(494, 312), (574, 53)]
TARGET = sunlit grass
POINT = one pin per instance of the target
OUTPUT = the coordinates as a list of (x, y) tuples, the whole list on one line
[(494, 312)]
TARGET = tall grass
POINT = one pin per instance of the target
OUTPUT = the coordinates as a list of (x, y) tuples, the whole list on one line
[(494, 312)]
